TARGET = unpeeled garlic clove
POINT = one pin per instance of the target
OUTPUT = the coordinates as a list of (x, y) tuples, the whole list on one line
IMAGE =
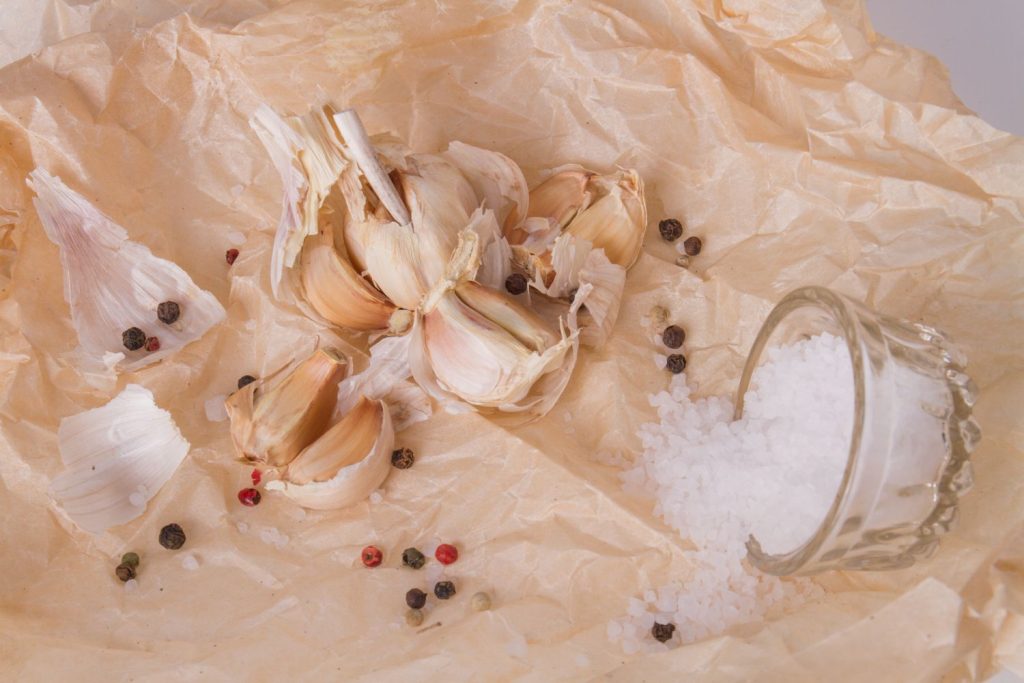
[(560, 198), (113, 284), (274, 419), (616, 220), (497, 181), (345, 464)]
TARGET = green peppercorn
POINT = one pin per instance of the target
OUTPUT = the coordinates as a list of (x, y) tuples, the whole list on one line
[(676, 363), (411, 557), (168, 312), (402, 458), (415, 598), (444, 590), (663, 632), (414, 617), (133, 339), (130, 559), (172, 537), (125, 571), (670, 229), (673, 336), (244, 380), (481, 602)]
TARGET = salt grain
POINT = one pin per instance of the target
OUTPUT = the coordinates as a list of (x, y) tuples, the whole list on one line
[(517, 647), (772, 474), (131, 585), (190, 562), (215, 410), (236, 238), (137, 499), (376, 497)]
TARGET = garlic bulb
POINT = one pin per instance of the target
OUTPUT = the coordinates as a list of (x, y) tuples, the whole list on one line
[(480, 346), (274, 419), (113, 284), (117, 457), (345, 464)]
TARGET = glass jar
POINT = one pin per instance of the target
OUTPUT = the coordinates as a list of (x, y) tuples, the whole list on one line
[(912, 436)]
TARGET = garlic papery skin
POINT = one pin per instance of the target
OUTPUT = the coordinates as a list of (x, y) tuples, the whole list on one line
[(273, 419), (387, 377), (117, 457), (497, 181), (345, 464), (112, 284), (616, 220)]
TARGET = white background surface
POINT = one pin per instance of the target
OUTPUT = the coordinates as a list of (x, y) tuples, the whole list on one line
[(981, 42)]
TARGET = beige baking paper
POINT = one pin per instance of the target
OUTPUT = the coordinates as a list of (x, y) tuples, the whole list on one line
[(800, 145)]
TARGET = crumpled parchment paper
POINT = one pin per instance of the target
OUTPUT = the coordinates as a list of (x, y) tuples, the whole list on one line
[(803, 147)]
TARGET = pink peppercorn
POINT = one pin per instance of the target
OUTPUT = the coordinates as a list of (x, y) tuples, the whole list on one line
[(152, 344), (446, 554), (257, 476), (372, 556), (231, 255), (249, 497)]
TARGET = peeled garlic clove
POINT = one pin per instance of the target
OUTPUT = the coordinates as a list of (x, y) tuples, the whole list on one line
[(336, 291), (113, 284), (393, 256), (345, 464), (273, 420), (117, 457), (616, 220), (497, 181)]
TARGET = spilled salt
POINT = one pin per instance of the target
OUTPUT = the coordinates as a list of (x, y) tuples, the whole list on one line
[(716, 481)]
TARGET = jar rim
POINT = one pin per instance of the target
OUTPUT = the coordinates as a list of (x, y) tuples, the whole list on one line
[(838, 309)]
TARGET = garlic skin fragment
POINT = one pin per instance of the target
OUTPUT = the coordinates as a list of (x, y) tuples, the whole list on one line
[(112, 283), (497, 181), (345, 464), (274, 419), (117, 457), (387, 377)]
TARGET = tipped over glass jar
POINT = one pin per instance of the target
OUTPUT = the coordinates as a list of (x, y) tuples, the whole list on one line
[(912, 434)]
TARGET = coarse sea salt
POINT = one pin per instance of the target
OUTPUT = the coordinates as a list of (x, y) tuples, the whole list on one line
[(772, 474)]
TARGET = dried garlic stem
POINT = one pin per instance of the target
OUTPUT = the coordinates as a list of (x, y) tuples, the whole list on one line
[(358, 142)]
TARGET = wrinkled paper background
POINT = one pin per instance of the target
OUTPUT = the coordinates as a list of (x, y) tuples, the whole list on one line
[(803, 147)]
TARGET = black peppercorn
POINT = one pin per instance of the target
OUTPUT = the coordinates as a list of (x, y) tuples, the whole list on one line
[(402, 458), (515, 283), (245, 379), (673, 336), (168, 312), (573, 292), (125, 571), (444, 590), (416, 598), (692, 246), (172, 537), (413, 558), (663, 632), (133, 339), (670, 229), (676, 363)]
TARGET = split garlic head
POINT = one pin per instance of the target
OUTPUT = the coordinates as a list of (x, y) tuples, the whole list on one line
[(112, 284), (117, 457)]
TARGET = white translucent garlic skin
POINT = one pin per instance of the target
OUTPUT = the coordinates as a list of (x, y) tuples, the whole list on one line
[(113, 284), (117, 457)]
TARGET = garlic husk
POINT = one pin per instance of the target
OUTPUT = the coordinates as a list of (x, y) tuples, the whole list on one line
[(362, 151), (358, 452), (497, 181), (307, 153), (386, 377), (273, 419), (616, 220), (117, 457), (601, 284), (112, 283)]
